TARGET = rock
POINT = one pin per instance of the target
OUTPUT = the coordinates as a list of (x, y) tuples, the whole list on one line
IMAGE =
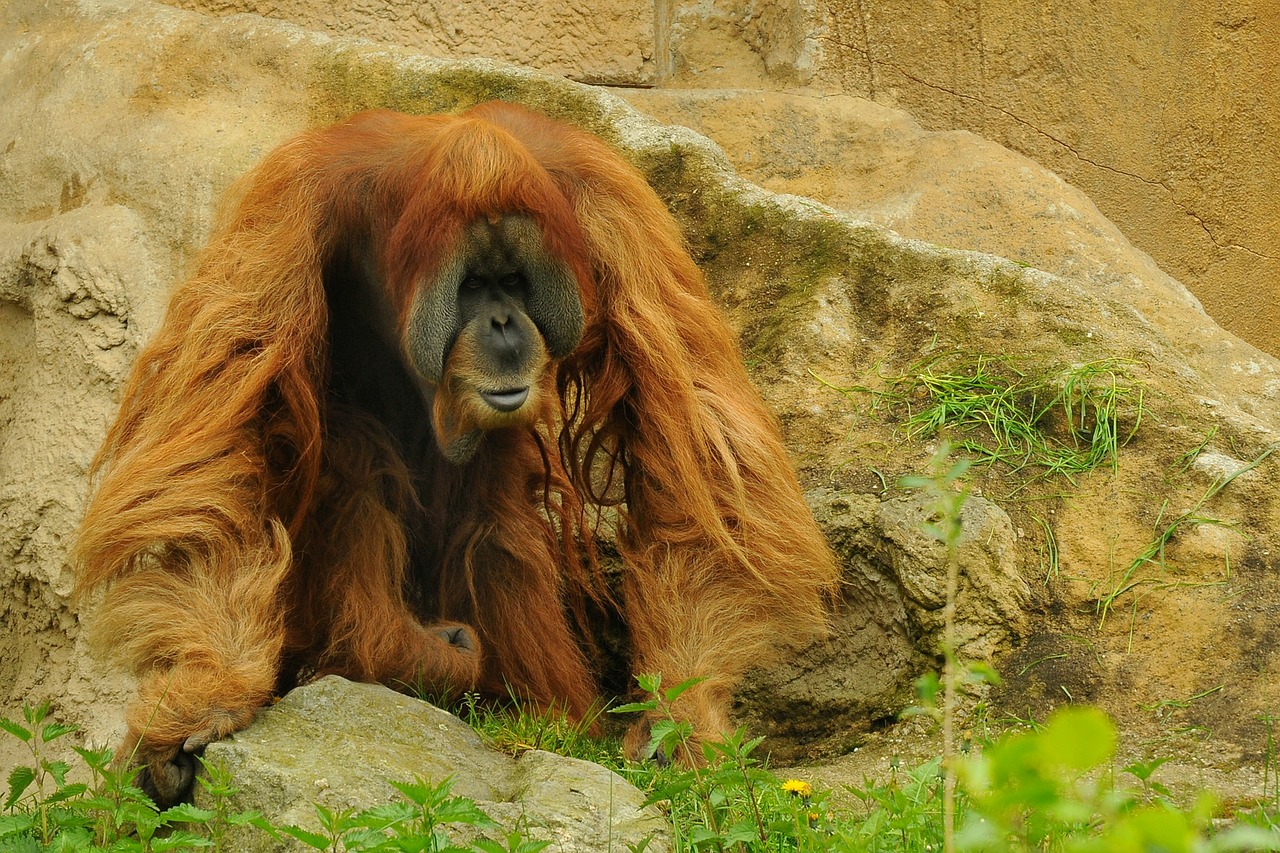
[(822, 701), (1168, 122), (880, 165), (78, 291), (992, 595), (888, 624), (338, 744)]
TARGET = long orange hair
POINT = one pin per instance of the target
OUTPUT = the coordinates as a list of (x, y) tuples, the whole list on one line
[(246, 526)]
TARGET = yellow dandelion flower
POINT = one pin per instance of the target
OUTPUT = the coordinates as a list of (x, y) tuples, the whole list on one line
[(798, 788)]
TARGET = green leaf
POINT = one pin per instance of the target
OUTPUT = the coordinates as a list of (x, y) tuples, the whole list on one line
[(1246, 838), (19, 779), (328, 817), (1143, 769), (366, 840), (682, 783), (53, 731), (66, 792), (633, 707), (70, 840), (420, 792), (58, 770), (927, 688), (99, 803), (311, 839), (18, 730), (515, 843), (216, 781), (146, 821), (669, 732), (258, 822), (1078, 738), (386, 815), (97, 759), (674, 693), (249, 818), (650, 682), (35, 714), (702, 836), (980, 672), (462, 810), (1151, 828), (15, 823), (742, 832), (141, 813), (180, 840), (187, 813)]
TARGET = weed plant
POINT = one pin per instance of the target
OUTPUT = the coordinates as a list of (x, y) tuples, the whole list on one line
[(43, 811), (1052, 788)]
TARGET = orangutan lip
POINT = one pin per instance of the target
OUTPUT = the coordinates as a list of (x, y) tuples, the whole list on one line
[(506, 401)]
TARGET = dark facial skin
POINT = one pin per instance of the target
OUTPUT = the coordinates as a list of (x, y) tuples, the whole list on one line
[(481, 336), (496, 300)]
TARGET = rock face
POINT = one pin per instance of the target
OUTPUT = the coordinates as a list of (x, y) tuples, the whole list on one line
[(1170, 123), (611, 42), (950, 188), (338, 744), (890, 620), (78, 290), (125, 120)]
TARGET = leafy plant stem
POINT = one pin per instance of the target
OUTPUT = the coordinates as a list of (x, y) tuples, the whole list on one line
[(947, 487), (950, 687), (740, 761)]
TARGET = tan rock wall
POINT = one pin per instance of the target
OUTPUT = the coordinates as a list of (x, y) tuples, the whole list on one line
[(1166, 115), (609, 42), (733, 43)]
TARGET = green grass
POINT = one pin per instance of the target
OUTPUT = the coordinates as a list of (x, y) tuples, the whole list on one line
[(1061, 421), (1148, 567), (1053, 786), (515, 728)]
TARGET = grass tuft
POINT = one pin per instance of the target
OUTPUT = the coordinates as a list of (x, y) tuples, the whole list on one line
[(1064, 421), (1153, 555)]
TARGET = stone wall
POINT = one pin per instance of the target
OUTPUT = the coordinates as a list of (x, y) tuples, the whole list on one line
[(1168, 118), (610, 42)]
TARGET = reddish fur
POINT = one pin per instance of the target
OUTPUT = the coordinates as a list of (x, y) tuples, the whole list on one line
[(243, 526)]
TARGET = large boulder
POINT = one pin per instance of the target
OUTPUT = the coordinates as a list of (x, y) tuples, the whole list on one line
[(125, 120), (338, 745)]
